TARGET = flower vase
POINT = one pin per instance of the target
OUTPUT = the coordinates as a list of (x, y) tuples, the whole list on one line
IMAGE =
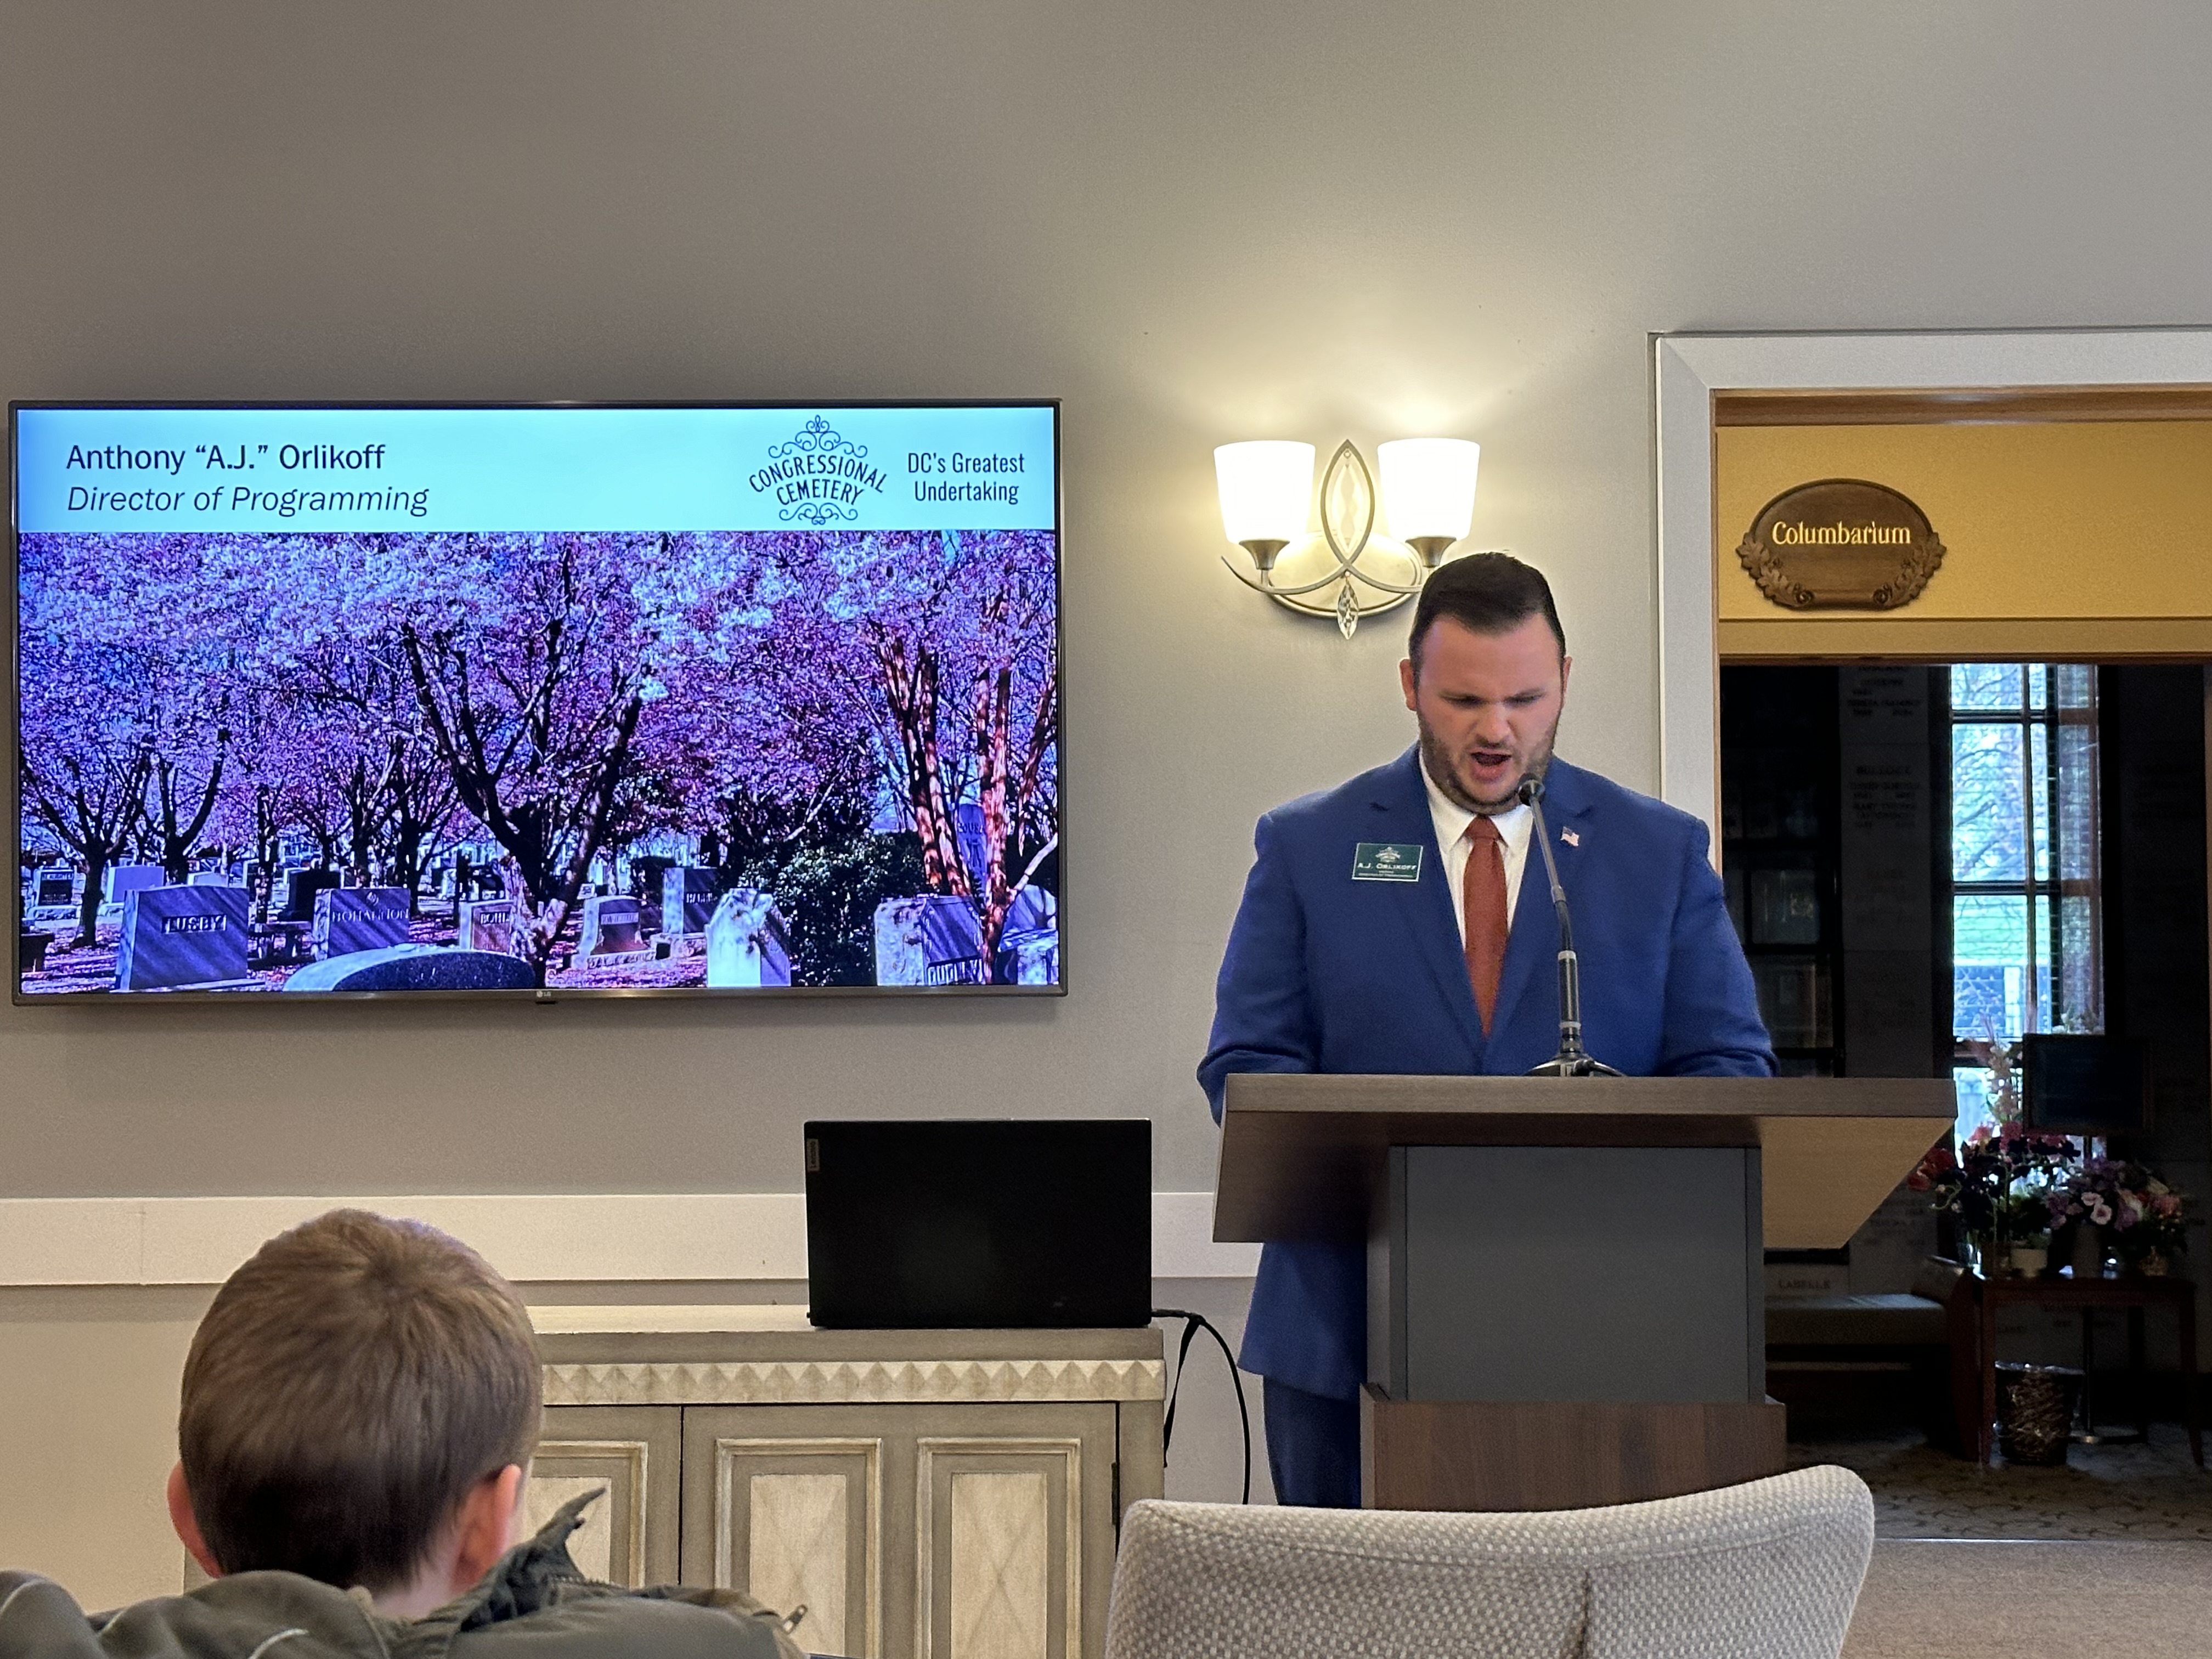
[(2154, 1265), (2031, 1260), (2088, 1254)]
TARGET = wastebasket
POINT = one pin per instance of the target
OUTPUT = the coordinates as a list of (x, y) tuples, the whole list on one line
[(2035, 1411)]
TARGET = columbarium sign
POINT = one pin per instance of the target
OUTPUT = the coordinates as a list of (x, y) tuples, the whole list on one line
[(1841, 544)]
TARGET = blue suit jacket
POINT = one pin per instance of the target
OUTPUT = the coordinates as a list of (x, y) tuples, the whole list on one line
[(1326, 972)]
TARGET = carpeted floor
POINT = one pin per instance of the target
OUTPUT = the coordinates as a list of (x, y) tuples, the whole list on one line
[(2150, 1494), (1925, 1600), (2111, 1555)]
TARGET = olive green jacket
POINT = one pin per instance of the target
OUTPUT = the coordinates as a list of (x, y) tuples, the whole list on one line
[(534, 1602)]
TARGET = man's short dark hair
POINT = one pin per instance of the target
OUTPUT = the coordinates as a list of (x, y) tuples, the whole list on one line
[(1488, 593), (348, 1387)]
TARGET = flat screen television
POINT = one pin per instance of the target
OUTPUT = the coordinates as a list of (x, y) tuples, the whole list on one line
[(537, 701), (2084, 1084)]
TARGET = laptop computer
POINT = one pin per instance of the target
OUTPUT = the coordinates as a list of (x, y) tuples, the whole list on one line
[(979, 1223)]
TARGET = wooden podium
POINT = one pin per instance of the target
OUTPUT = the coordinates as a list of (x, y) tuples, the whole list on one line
[(1567, 1286)]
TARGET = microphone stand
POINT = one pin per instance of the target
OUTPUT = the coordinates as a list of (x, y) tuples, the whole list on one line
[(1572, 1059)]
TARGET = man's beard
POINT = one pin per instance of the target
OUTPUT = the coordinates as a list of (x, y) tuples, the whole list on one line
[(1441, 765)]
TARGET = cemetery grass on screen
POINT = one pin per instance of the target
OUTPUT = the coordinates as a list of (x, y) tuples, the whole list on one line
[(834, 720)]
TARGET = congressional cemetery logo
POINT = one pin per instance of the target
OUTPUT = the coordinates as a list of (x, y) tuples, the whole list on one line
[(818, 476)]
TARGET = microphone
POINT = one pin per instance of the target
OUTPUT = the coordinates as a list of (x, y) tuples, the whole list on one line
[(1572, 1059)]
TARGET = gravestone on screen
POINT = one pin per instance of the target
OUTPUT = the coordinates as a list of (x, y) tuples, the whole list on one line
[(688, 897), (611, 925), (301, 887), (1029, 949), (350, 919), (747, 944), (929, 939), (415, 968), (176, 936), (1029, 958), (487, 924), (57, 887), (124, 880)]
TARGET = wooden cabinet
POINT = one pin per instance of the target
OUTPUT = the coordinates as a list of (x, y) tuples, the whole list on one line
[(923, 1494)]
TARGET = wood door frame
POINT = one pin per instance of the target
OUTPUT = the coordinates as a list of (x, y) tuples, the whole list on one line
[(1688, 369)]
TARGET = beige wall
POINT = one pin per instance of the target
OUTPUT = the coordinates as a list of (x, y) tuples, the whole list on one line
[(87, 1433), (1193, 223)]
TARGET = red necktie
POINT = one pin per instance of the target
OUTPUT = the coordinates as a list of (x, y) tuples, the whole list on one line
[(1483, 904)]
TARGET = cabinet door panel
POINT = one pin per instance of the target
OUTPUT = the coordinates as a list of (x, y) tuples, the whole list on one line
[(1000, 1537), (786, 1503), (630, 1536), (966, 1531)]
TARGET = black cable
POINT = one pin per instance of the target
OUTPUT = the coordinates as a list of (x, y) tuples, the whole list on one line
[(1193, 1324)]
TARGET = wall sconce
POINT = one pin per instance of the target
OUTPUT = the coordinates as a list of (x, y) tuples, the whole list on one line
[(1427, 494)]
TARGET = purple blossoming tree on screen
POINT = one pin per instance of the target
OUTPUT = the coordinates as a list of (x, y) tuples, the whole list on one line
[(860, 716)]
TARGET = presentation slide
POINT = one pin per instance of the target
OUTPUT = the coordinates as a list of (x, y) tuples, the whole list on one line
[(573, 699)]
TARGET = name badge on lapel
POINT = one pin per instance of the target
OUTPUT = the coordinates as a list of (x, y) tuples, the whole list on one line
[(1387, 861)]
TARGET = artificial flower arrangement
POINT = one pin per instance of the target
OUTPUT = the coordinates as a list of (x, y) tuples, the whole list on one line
[(1998, 1183), (2012, 1188), (2142, 1219)]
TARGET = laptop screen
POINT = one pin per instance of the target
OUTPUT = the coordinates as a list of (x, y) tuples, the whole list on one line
[(970, 1223)]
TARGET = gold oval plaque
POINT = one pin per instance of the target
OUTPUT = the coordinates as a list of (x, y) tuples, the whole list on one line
[(1841, 543)]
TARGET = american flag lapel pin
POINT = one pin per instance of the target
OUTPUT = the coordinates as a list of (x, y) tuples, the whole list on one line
[(1571, 838)]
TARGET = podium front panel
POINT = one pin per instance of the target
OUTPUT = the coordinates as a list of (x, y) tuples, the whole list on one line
[(1625, 1275)]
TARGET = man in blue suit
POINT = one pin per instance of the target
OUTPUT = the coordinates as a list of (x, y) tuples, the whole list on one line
[(1401, 923)]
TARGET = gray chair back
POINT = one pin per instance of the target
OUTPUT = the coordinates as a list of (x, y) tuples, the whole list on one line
[(1769, 1570)]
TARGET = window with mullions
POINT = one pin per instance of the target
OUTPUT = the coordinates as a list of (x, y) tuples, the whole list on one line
[(2025, 907)]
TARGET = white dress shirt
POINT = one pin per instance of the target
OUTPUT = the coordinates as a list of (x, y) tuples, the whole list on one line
[(1451, 820)]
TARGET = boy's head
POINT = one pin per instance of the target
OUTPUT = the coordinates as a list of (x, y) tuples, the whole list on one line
[(359, 1389)]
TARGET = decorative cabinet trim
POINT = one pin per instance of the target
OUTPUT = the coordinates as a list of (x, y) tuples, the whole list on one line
[(851, 1382)]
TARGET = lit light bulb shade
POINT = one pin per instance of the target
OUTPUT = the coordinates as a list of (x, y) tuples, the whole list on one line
[(1267, 487), (1428, 486)]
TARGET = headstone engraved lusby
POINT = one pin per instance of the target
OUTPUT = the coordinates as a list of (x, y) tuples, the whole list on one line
[(350, 919), (174, 937)]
